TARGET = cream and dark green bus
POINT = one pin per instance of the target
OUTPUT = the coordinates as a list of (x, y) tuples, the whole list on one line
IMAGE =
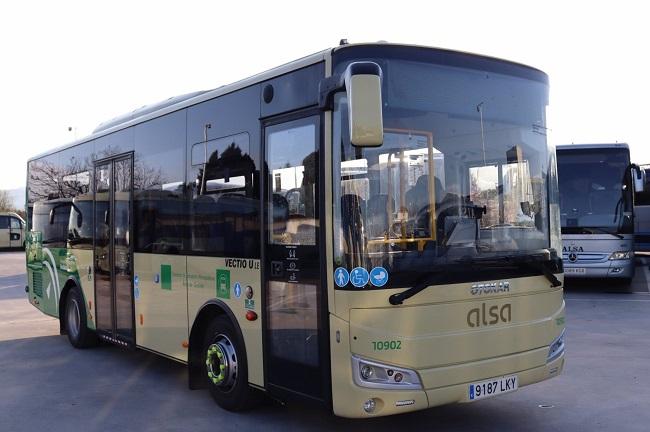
[(374, 228)]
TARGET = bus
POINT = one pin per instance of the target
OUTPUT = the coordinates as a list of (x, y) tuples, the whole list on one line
[(597, 184), (373, 228), (642, 214), (12, 230)]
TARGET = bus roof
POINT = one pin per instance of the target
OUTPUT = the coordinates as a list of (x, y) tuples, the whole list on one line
[(149, 112), (592, 146)]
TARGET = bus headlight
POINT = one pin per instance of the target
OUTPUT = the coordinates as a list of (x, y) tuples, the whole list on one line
[(557, 348), (621, 255), (372, 374)]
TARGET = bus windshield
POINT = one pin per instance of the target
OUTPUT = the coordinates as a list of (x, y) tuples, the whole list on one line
[(595, 190), (462, 176)]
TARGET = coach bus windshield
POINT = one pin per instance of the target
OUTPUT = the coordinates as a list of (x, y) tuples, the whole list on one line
[(462, 176), (595, 191)]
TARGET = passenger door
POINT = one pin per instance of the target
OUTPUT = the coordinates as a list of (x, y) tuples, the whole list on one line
[(113, 250), (295, 330)]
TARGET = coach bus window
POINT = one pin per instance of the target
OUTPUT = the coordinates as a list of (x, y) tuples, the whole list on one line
[(224, 210), (293, 166)]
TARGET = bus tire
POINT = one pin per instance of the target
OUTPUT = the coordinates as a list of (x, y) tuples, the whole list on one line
[(225, 367), (75, 321)]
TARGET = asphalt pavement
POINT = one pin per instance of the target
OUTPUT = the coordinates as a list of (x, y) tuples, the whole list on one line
[(46, 385)]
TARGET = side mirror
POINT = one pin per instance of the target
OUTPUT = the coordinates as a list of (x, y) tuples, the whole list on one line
[(638, 178), (362, 81), (363, 85), (52, 216)]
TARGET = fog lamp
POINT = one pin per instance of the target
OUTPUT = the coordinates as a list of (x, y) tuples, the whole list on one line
[(369, 405)]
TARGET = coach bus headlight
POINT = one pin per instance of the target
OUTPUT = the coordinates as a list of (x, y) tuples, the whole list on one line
[(377, 375), (556, 349), (621, 255)]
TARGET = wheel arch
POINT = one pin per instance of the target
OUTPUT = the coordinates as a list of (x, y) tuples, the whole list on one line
[(70, 283), (210, 310)]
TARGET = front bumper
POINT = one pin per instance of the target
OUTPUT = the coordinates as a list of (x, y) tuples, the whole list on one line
[(451, 382), (620, 269)]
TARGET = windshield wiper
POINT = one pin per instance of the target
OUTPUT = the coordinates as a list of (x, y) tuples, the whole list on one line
[(427, 281), (525, 260), (433, 277)]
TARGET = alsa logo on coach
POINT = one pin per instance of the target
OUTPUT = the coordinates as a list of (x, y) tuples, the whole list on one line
[(568, 249), (484, 316)]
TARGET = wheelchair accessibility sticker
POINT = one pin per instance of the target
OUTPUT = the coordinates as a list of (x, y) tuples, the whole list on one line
[(359, 277)]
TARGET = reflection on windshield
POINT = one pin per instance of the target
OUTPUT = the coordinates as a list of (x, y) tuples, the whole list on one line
[(451, 181)]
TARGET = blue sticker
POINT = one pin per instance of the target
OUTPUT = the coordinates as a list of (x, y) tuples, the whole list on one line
[(136, 293), (136, 280), (237, 289), (156, 278), (378, 276), (341, 277), (359, 277)]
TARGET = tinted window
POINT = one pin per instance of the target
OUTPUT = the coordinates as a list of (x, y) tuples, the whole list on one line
[(224, 206), (158, 182), (4, 222)]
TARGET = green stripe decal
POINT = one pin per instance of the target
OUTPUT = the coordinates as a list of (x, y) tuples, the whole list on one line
[(166, 276)]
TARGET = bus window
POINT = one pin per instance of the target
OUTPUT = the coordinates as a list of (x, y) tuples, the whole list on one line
[(293, 167), (51, 218), (224, 211)]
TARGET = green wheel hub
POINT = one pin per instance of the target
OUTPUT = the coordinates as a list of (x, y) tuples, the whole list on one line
[(221, 363)]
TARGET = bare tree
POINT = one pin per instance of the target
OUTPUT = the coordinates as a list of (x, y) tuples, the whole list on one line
[(6, 203)]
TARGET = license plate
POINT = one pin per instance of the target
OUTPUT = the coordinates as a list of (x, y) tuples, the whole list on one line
[(575, 270), (493, 387)]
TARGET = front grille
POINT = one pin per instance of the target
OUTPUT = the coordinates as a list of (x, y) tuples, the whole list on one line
[(37, 283)]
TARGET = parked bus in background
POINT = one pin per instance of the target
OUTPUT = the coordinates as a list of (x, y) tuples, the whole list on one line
[(373, 227), (12, 230), (597, 185), (642, 214)]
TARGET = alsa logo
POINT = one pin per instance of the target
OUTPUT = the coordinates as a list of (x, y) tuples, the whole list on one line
[(572, 249), (490, 288), (484, 316)]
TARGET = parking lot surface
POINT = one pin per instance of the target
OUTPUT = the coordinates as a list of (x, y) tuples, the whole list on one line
[(47, 385)]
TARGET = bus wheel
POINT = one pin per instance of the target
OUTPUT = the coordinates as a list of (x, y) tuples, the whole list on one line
[(225, 366), (79, 335)]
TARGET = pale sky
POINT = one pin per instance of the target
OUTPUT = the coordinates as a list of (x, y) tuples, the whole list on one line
[(78, 63)]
